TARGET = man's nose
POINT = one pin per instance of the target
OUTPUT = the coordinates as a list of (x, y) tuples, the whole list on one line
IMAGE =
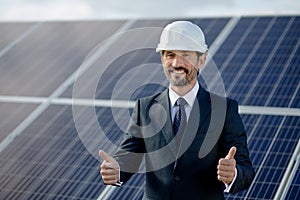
[(177, 61)]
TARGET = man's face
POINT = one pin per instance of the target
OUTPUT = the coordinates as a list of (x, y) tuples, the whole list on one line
[(181, 67)]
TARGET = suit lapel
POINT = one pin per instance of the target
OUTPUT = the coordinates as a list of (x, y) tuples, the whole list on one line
[(167, 130), (204, 102)]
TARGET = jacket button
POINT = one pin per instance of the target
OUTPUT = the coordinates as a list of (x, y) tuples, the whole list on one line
[(177, 178)]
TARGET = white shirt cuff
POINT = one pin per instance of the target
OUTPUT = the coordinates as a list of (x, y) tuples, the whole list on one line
[(228, 187), (119, 183)]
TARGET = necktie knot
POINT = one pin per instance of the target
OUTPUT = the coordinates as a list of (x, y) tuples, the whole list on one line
[(181, 102)]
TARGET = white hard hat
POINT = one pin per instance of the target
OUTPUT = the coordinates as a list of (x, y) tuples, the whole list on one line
[(182, 35)]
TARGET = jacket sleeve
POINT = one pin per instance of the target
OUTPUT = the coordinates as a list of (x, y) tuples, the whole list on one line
[(234, 135), (131, 150)]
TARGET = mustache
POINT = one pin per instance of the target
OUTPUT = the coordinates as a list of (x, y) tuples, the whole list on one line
[(178, 68)]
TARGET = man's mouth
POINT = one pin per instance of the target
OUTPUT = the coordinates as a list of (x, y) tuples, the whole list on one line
[(179, 70)]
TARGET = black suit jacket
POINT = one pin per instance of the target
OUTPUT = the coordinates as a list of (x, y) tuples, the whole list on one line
[(189, 172)]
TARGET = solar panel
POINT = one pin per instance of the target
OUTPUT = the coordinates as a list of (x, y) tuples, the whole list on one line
[(294, 190), (12, 114), (53, 158)]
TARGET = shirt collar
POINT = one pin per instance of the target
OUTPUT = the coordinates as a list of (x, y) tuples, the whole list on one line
[(189, 97)]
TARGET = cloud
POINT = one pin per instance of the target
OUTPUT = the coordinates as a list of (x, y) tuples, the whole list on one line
[(41, 10), (46, 11)]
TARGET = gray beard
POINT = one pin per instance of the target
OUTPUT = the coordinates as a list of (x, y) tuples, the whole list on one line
[(179, 82)]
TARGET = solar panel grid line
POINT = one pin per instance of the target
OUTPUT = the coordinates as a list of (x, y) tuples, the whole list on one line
[(265, 110), (105, 194), (63, 175), (222, 36), (56, 181), (130, 82), (105, 135), (257, 156), (88, 192), (280, 68), (28, 169), (275, 169), (134, 65), (65, 188), (210, 25), (243, 109), (74, 162), (269, 167), (281, 76), (22, 99), (56, 93), (95, 102), (264, 134), (11, 115), (26, 86), (296, 93), (262, 164), (92, 188), (130, 192), (94, 69), (58, 46), (27, 145), (139, 192), (52, 177), (258, 44), (267, 153), (289, 174), (88, 84), (88, 127), (235, 50), (294, 190), (18, 189), (20, 38), (251, 55), (269, 58), (16, 132)]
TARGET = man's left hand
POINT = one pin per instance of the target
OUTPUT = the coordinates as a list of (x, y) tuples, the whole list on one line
[(226, 167)]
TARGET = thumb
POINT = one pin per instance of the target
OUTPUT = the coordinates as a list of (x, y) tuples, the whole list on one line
[(106, 156), (231, 153)]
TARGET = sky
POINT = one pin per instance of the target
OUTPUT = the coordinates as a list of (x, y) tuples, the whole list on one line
[(42, 10)]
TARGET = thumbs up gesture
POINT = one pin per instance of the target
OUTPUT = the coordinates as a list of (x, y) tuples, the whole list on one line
[(226, 167), (109, 169)]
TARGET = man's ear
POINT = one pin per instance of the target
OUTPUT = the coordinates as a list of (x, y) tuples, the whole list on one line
[(161, 56), (201, 61)]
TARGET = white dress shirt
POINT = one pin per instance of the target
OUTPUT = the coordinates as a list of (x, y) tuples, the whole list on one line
[(189, 98)]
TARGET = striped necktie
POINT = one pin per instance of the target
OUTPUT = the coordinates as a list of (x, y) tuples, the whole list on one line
[(180, 120)]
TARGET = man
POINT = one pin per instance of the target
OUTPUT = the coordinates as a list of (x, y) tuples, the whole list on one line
[(167, 130)]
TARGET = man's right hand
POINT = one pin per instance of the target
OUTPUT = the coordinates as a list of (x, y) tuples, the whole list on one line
[(109, 169)]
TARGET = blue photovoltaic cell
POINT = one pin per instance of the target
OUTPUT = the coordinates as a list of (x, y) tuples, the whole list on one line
[(294, 190), (271, 145), (12, 115), (254, 60), (49, 161)]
